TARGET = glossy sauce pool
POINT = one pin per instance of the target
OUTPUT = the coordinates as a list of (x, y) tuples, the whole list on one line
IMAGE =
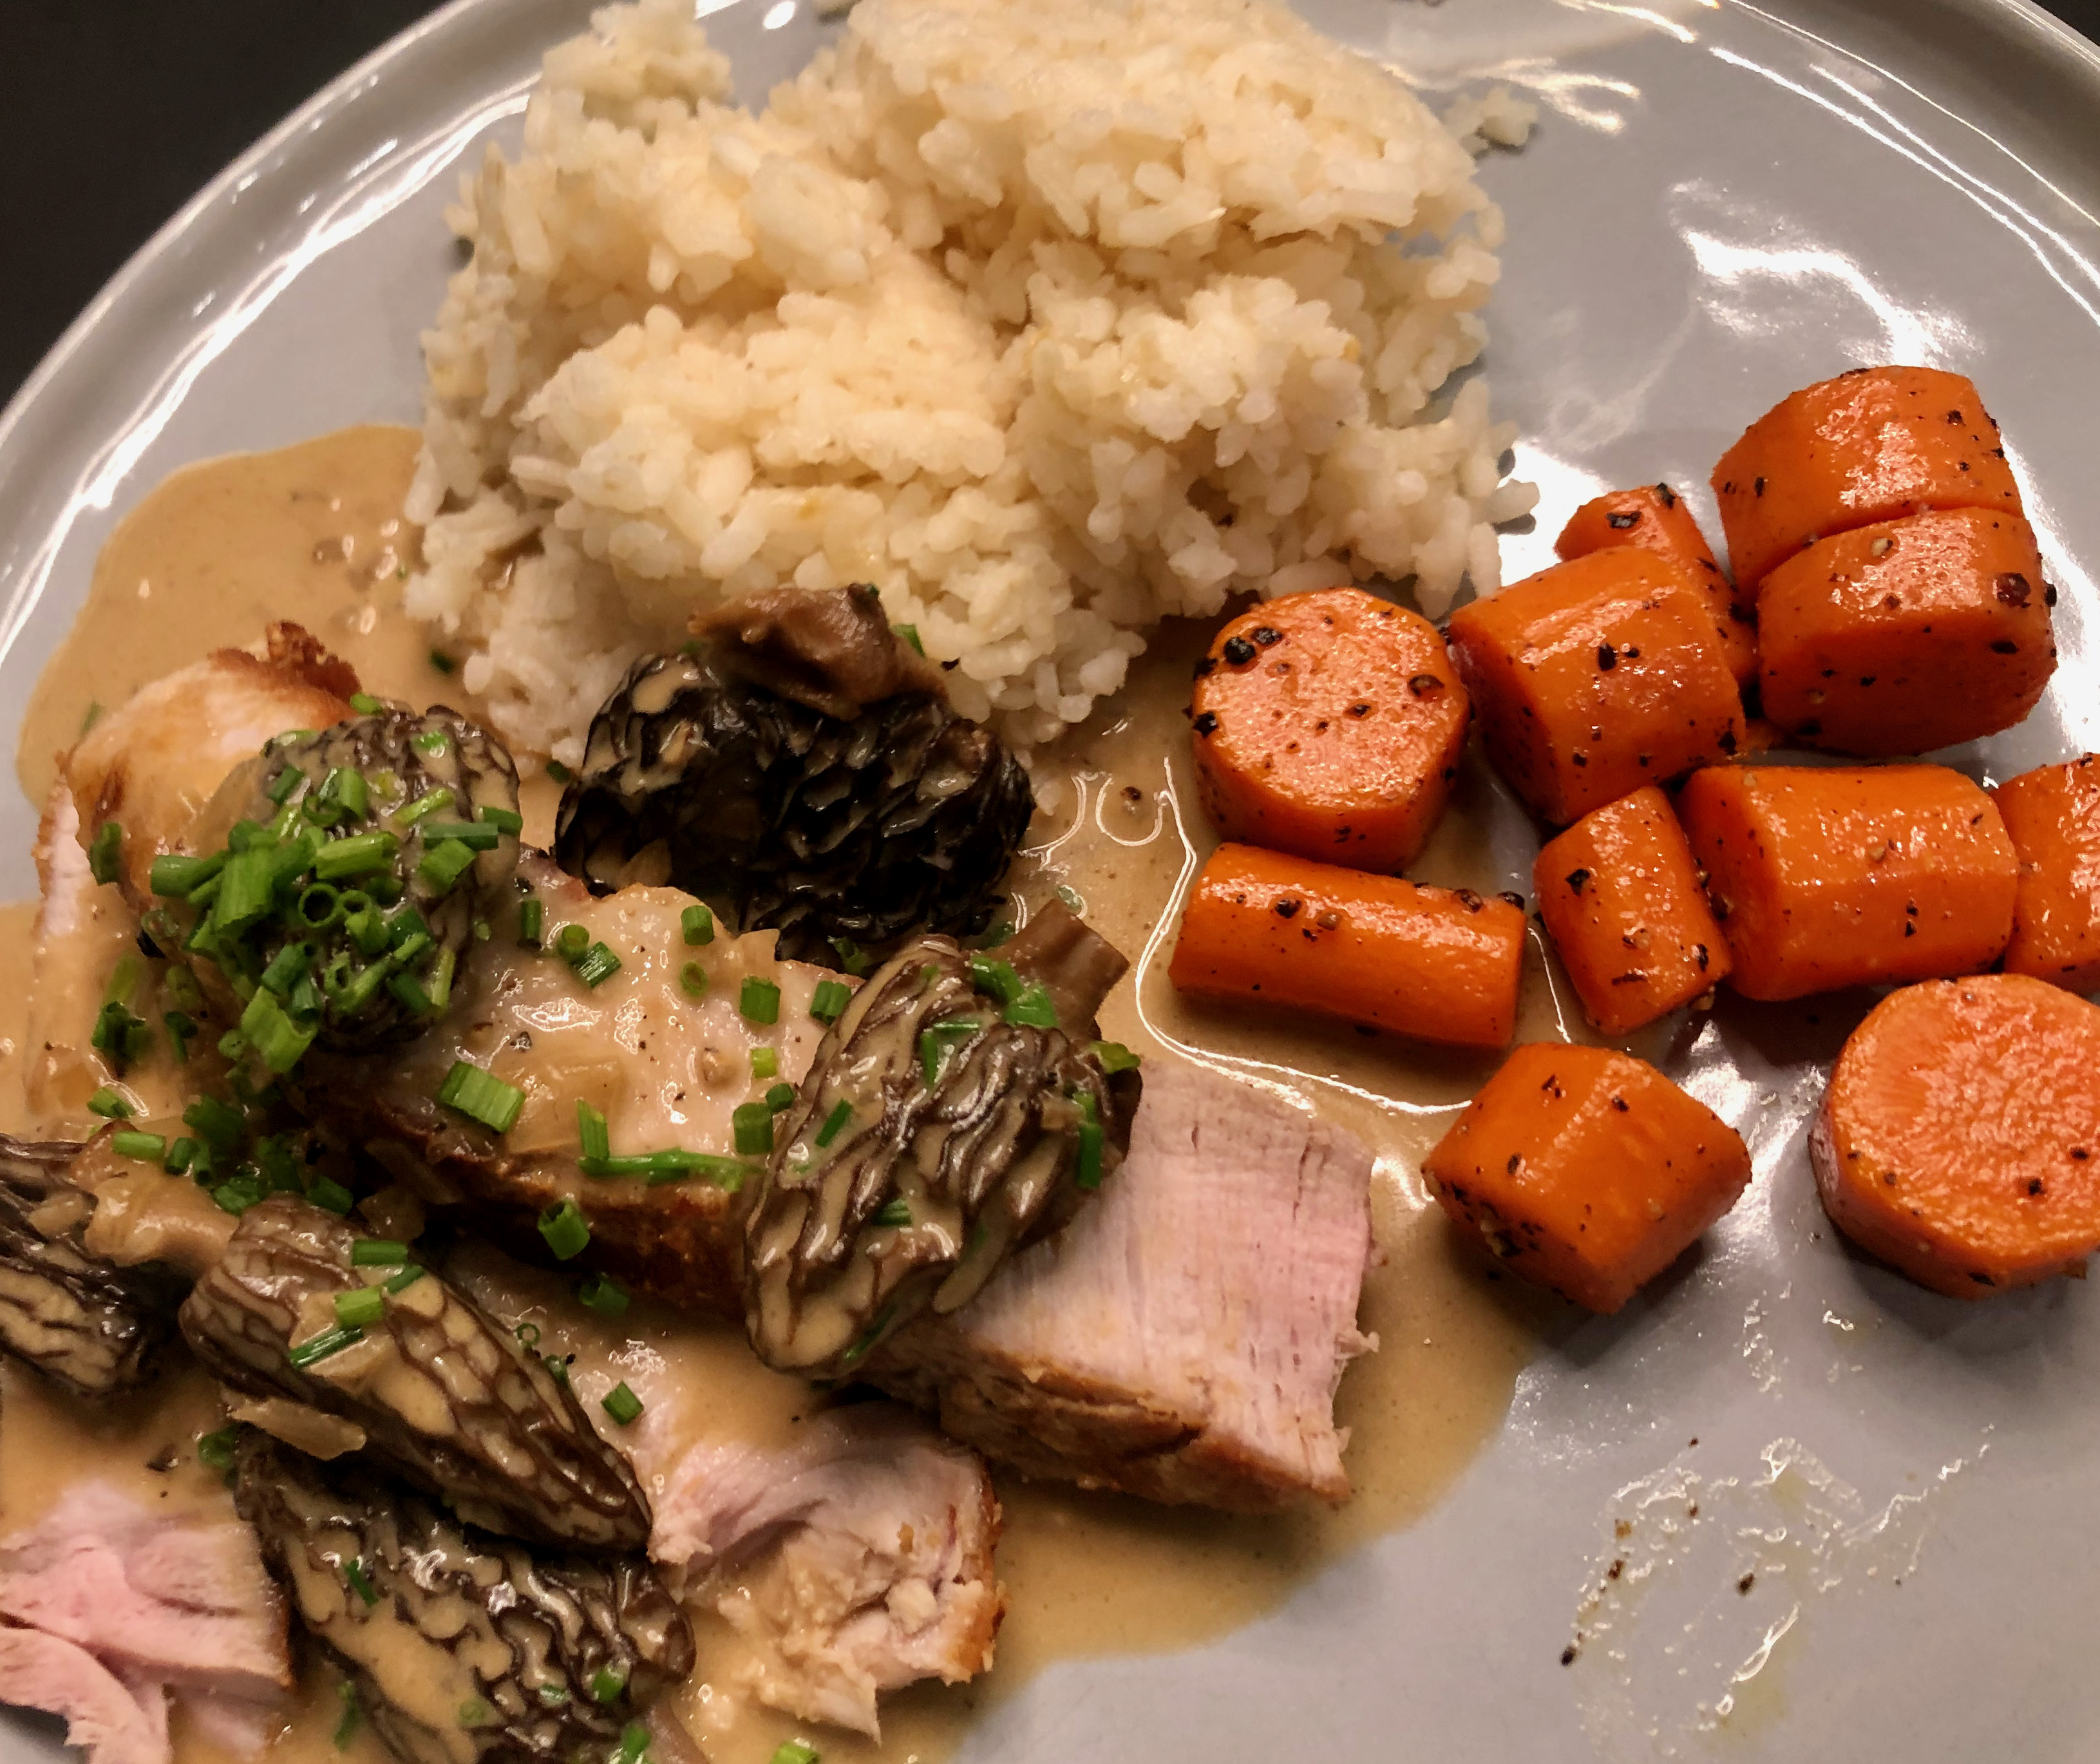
[(313, 533)]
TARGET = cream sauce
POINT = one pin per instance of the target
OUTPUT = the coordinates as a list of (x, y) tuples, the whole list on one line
[(313, 533)]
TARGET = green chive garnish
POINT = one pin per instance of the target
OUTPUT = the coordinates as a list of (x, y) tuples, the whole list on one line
[(760, 1001), (532, 915), (626, 1408), (935, 1044), (1031, 1007), (443, 864), (481, 1096), (751, 1126), (558, 772), (503, 820), (361, 854), (1114, 1058), (563, 1226), (364, 705), (105, 855), (698, 924), (794, 1752), (765, 1062), (378, 1252), (215, 1449), (603, 1294), (319, 1347), (430, 802), (851, 957), (182, 1157), (693, 980), (894, 1214), (360, 1583), (110, 1104), (592, 1135), (173, 875), (479, 834), (779, 1097), (147, 1148), (407, 1277), (1087, 1168), (835, 1122), (570, 942), (597, 965), (442, 661), (828, 1002), (990, 974), (218, 1124), (352, 1716), (359, 1309), (330, 1196)]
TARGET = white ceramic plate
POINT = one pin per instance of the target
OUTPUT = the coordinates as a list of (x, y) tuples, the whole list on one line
[(1724, 201)]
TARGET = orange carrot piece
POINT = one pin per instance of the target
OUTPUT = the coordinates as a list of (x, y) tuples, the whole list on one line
[(1329, 725), (1595, 677), (1908, 635), (1960, 1138), (1655, 517), (1824, 879), (1436, 964), (1586, 1171), (1621, 896), (2052, 816), (1871, 445)]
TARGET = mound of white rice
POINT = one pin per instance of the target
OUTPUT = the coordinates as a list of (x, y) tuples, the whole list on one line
[(1050, 320)]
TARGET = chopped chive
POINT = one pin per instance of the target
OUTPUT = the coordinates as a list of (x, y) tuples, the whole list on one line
[(182, 988), (403, 928), (479, 834), (597, 965), (174, 876), (607, 1683), (563, 1226), (602, 1294), (215, 1449), (285, 783), (558, 1368), (759, 1001), (795, 1752), (828, 1002), (626, 1408), (504, 820), (592, 1135), (361, 854), (432, 742), (182, 1156), (105, 855), (364, 705), (91, 715), (236, 1195), (330, 1196), (407, 1277), (1032, 1007), (532, 915), (442, 661), (1001, 933), (287, 968), (765, 1062), (277, 1040), (851, 957), (352, 1716), (319, 1347), (429, 803), (698, 924), (527, 1334), (360, 1582), (443, 864), (378, 1252), (570, 942), (409, 990), (318, 907), (1087, 1168), (779, 1097), (835, 1122), (633, 1746), (869, 1336), (147, 1148), (990, 974), (910, 633), (693, 980), (554, 1696), (440, 978), (935, 1042), (558, 772), (110, 1104), (751, 1126), (218, 1124), (894, 1214), (481, 1096), (1114, 1058), (361, 1309), (474, 1713)]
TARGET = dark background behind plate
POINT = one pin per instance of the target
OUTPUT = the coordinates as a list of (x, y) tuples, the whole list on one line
[(113, 112)]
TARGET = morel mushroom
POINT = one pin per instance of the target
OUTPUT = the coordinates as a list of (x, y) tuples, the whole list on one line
[(356, 860), (88, 1326), (463, 1648), (301, 1307), (956, 1112), (803, 771)]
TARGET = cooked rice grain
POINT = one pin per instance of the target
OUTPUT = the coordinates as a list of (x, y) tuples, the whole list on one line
[(1051, 321)]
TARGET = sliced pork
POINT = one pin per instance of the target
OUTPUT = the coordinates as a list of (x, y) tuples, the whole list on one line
[(177, 1599), (112, 1720), (856, 1561), (1182, 1339), (665, 1065)]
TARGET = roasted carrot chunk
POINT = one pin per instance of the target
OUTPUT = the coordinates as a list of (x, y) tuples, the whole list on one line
[(1586, 1171), (1824, 879), (1906, 635), (1960, 1138), (2052, 816), (1595, 677), (1329, 725), (1621, 896), (1871, 445), (1436, 964), (1655, 517)]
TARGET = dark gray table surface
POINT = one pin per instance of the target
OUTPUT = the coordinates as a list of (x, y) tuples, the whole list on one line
[(113, 111)]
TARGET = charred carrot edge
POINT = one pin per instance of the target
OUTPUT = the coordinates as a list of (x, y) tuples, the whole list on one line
[(1438, 965), (1958, 1140)]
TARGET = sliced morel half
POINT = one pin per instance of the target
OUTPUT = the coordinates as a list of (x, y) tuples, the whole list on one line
[(803, 770), (461, 1648), (353, 864), (89, 1325), (304, 1309), (958, 1109)]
